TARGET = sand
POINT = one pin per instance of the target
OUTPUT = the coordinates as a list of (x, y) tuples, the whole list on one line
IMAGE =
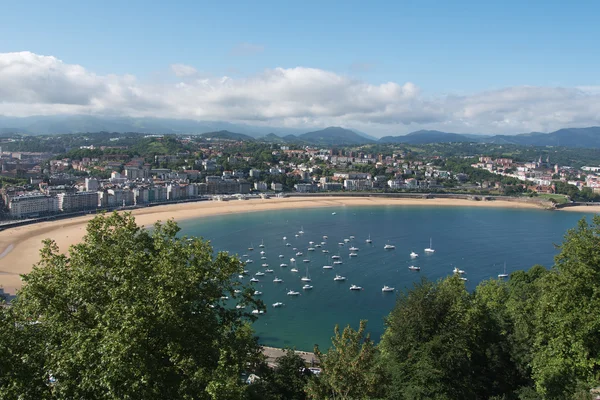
[(19, 247)]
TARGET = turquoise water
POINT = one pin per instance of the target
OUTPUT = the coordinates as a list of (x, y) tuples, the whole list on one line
[(476, 240)]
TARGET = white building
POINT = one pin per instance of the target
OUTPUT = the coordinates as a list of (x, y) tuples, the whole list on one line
[(91, 185), (32, 205), (77, 201)]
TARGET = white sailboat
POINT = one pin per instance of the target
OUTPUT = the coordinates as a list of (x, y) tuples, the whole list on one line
[(389, 246), (386, 288), (293, 293), (369, 239), (277, 280), (504, 274), (278, 304), (306, 278), (430, 248), (307, 287), (413, 254), (355, 287), (414, 268), (339, 278), (458, 271), (262, 244)]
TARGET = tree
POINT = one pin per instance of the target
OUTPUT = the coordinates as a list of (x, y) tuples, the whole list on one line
[(349, 370), (567, 342), (131, 313)]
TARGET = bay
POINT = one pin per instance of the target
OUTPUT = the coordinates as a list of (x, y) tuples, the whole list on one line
[(476, 240)]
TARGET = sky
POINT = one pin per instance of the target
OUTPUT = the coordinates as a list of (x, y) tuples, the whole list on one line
[(382, 67)]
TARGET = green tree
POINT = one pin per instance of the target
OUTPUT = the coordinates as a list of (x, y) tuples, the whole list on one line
[(286, 381), (567, 342), (349, 369), (131, 314)]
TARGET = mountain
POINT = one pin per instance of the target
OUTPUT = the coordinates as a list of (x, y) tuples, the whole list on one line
[(226, 135), (569, 137), (334, 136), (423, 137)]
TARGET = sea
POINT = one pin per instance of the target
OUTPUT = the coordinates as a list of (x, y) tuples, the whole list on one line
[(483, 242)]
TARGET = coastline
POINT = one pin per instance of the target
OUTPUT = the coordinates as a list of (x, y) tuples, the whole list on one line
[(19, 246)]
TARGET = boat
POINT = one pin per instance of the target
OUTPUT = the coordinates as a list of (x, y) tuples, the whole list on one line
[(317, 245), (281, 256), (351, 237), (341, 243), (250, 248), (327, 267), (389, 246), (346, 240), (336, 257), (504, 274), (339, 278), (263, 257), (262, 244), (301, 231), (277, 280), (311, 249), (353, 248), (337, 262), (306, 278), (249, 261), (369, 239), (299, 253), (260, 273), (284, 238), (306, 260), (311, 243), (257, 293), (355, 287), (462, 278), (307, 287), (239, 306), (258, 312), (288, 244), (292, 259), (244, 255), (413, 254), (458, 271), (294, 270), (323, 243), (283, 265), (325, 251), (333, 213), (325, 237), (278, 304), (241, 276), (269, 271), (262, 252), (430, 248), (292, 293), (297, 235), (254, 280), (353, 254), (264, 265), (237, 291), (245, 272), (414, 268), (224, 297), (295, 248), (387, 289)]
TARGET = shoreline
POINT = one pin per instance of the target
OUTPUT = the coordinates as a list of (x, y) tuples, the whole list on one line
[(19, 246)]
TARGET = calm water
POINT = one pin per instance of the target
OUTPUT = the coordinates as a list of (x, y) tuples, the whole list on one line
[(477, 240)]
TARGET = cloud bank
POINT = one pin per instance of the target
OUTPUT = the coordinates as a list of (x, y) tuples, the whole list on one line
[(32, 84)]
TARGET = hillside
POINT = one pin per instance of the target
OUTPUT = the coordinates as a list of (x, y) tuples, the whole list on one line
[(423, 137), (334, 136), (226, 135)]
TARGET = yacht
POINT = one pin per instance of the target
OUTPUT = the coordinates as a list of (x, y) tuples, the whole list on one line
[(283, 265), (327, 267), (389, 246), (288, 244), (323, 243), (325, 237), (413, 254), (281, 256), (258, 312), (249, 261), (311, 249), (292, 259), (254, 280), (297, 235), (260, 273), (355, 287), (284, 238), (237, 291), (353, 248), (277, 280), (387, 289), (341, 243), (311, 243), (351, 237), (333, 213), (301, 231), (262, 252), (353, 254), (294, 270), (336, 257), (414, 268), (317, 245), (337, 262), (369, 239), (250, 248), (325, 251), (458, 271), (269, 271), (430, 248), (504, 274), (462, 278), (306, 278), (239, 306), (244, 255), (295, 248), (299, 253), (307, 287), (265, 265), (241, 276), (262, 244), (257, 293), (263, 257), (339, 278), (278, 304), (346, 240), (293, 293)]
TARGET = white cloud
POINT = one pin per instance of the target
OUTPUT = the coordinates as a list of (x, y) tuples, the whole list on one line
[(182, 70), (31, 84)]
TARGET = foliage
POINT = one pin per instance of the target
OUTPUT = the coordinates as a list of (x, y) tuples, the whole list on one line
[(349, 368), (128, 314), (286, 381)]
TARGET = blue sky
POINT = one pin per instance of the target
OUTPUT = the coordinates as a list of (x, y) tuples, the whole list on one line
[(458, 48)]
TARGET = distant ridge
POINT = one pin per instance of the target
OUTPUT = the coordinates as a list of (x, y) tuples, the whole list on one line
[(334, 136), (423, 137), (226, 135)]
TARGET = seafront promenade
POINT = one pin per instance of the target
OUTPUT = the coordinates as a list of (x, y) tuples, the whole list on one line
[(273, 353)]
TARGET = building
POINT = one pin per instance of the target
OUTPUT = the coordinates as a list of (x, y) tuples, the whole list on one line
[(331, 186), (91, 185), (278, 187), (305, 187), (262, 186), (77, 201), (32, 205)]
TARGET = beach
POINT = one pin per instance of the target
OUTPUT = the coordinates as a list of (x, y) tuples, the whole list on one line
[(20, 246)]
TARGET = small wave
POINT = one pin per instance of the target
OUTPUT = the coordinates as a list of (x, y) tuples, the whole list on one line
[(6, 251)]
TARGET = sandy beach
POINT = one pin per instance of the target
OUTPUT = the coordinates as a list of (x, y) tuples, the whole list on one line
[(19, 247)]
